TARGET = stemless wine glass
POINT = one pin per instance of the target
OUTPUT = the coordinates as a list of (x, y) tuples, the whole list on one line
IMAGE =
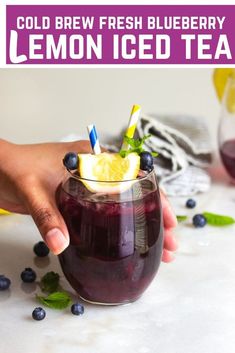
[(226, 133), (116, 237)]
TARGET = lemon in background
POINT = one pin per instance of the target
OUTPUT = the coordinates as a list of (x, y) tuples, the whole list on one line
[(220, 78)]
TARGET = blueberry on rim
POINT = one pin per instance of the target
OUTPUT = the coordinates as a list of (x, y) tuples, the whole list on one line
[(71, 160), (146, 161)]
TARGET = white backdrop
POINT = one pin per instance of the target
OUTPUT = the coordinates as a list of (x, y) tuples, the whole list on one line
[(47, 104)]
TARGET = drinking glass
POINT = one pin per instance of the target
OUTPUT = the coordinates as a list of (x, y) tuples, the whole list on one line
[(116, 237), (226, 133)]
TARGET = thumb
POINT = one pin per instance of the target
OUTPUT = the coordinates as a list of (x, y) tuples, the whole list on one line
[(47, 218)]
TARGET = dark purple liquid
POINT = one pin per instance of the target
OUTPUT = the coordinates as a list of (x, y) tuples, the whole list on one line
[(115, 247), (227, 152)]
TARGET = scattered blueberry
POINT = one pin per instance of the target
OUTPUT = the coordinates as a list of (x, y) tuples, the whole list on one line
[(199, 221), (38, 314), (71, 160), (191, 203), (41, 249), (146, 161), (77, 309), (4, 282), (28, 275)]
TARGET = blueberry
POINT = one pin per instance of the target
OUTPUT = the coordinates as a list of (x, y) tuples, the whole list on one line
[(199, 221), (191, 203), (71, 160), (38, 314), (146, 161), (4, 282), (41, 249), (77, 309), (28, 275)]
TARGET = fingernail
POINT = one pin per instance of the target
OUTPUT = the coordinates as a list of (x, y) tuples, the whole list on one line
[(56, 241)]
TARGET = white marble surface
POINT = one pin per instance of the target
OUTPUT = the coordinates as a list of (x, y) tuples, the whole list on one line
[(189, 307)]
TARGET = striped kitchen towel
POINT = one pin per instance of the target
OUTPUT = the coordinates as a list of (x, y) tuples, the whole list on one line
[(183, 145)]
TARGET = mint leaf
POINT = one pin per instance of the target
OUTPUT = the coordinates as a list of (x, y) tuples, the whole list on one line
[(136, 145), (50, 282), (56, 300), (124, 153), (218, 220), (137, 150), (145, 138), (131, 141), (181, 218)]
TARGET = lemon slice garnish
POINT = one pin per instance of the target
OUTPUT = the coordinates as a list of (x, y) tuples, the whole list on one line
[(105, 172), (220, 78)]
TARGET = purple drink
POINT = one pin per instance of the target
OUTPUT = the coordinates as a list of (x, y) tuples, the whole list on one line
[(227, 152), (115, 240)]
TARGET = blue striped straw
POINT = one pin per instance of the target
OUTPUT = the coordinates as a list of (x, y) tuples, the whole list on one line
[(95, 145)]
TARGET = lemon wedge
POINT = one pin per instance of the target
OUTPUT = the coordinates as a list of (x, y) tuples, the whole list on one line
[(220, 78), (106, 172)]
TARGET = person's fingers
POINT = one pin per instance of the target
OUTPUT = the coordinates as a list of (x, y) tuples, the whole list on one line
[(170, 242), (169, 217), (47, 217), (81, 146), (167, 256), (50, 224)]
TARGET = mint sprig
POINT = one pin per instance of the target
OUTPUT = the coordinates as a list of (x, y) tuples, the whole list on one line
[(218, 220), (212, 219), (56, 300), (50, 282), (135, 145)]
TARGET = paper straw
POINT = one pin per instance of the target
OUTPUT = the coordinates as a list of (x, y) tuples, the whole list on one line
[(135, 113), (95, 145)]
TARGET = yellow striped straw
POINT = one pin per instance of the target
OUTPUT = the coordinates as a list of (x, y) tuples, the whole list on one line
[(4, 212), (135, 113)]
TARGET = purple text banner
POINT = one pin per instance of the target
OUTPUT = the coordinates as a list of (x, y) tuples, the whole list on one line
[(125, 34)]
